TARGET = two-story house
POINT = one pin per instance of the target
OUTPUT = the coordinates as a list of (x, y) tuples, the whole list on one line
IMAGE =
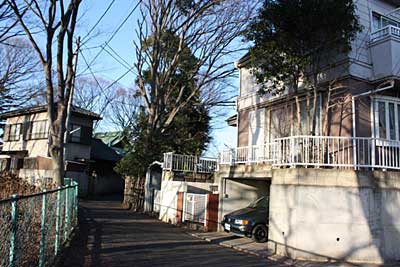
[(25, 148), (334, 194)]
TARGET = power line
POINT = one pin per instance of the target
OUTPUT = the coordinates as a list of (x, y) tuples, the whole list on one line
[(113, 35), (95, 78), (110, 85), (127, 66), (124, 63), (98, 21)]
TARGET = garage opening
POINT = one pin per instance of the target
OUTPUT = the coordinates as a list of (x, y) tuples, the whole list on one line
[(237, 195)]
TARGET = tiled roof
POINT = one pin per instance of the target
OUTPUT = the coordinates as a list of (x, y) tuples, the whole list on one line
[(42, 108), (110, 138), (100, 151)]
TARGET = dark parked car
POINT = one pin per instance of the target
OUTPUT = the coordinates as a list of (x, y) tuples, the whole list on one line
[(251, 221)]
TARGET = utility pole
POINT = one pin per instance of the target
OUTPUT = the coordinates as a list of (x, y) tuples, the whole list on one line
[(70, 100)]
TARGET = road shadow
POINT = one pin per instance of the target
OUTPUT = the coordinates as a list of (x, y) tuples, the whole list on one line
[(110, 235)]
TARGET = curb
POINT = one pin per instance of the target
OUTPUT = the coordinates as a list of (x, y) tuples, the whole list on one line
[(230, 246), (284, 261)]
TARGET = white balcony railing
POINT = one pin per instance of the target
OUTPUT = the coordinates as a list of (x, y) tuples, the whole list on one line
[(248, 154), (186, 163), (319, 151), (389, 30)]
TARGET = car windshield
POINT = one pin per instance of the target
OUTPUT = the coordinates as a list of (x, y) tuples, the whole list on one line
[(259, 203)]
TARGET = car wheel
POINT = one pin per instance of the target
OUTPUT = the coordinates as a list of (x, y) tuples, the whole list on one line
[(260, 233)]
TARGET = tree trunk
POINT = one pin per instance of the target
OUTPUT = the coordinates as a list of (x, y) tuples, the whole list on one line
[(314, 112), (298, 113), (326, 115), (56, 146), (309, 108)]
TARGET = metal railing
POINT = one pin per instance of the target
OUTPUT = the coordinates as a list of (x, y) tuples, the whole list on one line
[(34, 228), (389, 30), (320, 151), (186, 163), (248, 154)]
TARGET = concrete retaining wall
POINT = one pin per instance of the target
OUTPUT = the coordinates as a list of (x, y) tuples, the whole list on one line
[(340, 214)]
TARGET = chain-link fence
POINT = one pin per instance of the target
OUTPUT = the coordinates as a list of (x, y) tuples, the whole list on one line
[(34, 227)]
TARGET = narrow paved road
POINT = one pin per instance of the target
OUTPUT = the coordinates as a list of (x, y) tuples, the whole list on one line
[(111, 236)]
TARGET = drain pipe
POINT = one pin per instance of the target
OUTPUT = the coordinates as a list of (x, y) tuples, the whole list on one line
[(353, 109)]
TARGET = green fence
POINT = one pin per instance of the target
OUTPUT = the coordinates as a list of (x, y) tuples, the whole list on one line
[(33, 228)]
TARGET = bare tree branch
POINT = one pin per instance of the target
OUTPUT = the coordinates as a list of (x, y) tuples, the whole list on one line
[(59, 24)]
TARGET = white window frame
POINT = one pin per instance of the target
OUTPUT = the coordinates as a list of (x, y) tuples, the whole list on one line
[(75, 133), (386, 100), (382, 18)]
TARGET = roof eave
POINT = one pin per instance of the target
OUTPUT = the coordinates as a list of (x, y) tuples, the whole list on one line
[(43, 108)]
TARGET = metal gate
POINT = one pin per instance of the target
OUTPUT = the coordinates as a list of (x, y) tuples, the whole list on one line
[(194, 209)]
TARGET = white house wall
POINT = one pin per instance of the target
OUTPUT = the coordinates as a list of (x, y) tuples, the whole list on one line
[(39, 147), (35, 148), (360, 56)]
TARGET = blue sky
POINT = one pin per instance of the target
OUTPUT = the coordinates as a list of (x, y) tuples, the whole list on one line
[(107, 67)]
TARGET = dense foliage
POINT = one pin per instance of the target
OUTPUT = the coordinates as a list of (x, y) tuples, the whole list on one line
[(189, 131), (295, 39)]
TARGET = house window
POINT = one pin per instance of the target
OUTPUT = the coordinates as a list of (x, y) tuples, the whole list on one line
[(75, 133), (80, 134), (379, 21), (38, 130), (3, 165), (256, 127), (15, 132), (387, 118)]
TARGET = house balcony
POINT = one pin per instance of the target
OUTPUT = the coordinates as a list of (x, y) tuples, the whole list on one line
[(358, 153), (385, 52), (189, 168)]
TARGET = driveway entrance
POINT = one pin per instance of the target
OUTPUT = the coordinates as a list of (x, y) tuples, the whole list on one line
[(111, 236)]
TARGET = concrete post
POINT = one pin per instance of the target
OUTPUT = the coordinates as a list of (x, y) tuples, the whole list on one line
[(13, 234), (66, 224), (57, 239), (42, 247)]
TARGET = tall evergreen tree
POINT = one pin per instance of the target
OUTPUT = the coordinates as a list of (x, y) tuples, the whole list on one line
[(294, 40), (189, 131)]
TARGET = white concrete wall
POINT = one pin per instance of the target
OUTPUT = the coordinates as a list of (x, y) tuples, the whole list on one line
[(148, 194), (37, 177), (169, 196), (346, 215)]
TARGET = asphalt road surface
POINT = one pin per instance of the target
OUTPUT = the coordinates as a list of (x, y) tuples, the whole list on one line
[(112, 236)]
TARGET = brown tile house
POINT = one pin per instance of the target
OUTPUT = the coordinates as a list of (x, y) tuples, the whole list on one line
[(335, 193)]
